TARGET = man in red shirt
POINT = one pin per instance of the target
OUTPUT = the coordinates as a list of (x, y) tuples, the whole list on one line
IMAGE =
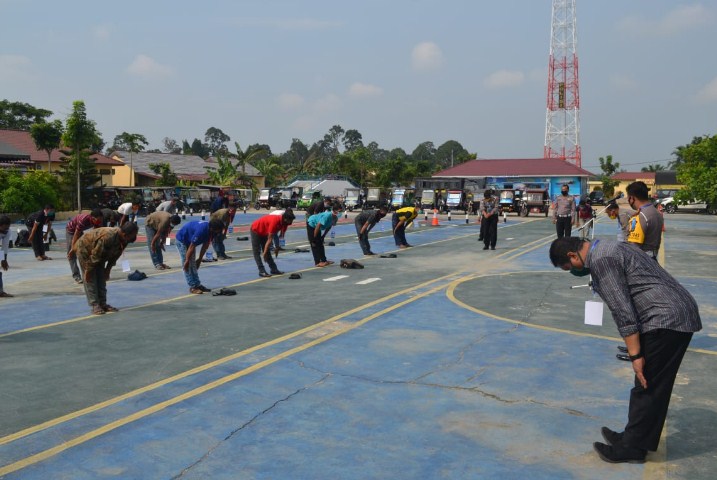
[(262, 236), (74, 230)]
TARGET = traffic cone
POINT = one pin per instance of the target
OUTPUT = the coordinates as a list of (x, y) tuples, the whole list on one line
[(434, 223), (466, 218)]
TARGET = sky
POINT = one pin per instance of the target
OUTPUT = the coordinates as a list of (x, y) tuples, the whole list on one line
[(401, 72)]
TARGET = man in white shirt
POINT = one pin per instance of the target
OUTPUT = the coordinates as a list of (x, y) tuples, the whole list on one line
[(129, 211), (5, 242)]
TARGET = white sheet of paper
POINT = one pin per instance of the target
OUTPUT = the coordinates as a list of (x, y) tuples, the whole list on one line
[(167, 241), (44, 229), (125, 266), (593, 313)]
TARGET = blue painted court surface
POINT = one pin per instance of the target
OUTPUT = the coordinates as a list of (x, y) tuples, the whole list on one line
[(445, 362)]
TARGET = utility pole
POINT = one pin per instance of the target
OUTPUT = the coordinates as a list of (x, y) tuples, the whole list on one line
[(562, 118)]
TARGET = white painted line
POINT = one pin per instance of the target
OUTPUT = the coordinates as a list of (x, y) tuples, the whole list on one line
[(510, 238), (337, 277), (367, 281)]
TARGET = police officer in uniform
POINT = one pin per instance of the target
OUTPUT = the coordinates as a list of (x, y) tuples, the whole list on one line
[(646, 224), (564, 213)]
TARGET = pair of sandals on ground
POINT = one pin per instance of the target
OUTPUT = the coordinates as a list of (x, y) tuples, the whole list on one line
[(102, 309)]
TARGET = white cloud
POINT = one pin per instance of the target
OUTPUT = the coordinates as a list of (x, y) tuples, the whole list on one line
[(682, 18), (708, 93), (101, 32), (328, 103), (504, 79), (15, 68), (144, 66), (623, 82), (306, 24), (362, 90), (426, 56), (290, 101)]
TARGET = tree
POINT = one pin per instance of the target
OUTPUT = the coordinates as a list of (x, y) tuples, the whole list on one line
[(80, 135), (167, 177), (270, 168), (653, 168), (449, 154), (425, 151), (608, 168), (171, 146), (26, 193), (352, 140), (132, 143), (21, 116), (47, 137), (679, 153), (697, 170), (215, 140), (199, 149), (254, 152)]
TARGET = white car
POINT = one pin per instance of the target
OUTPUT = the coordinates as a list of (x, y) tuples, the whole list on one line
[(671, 206)]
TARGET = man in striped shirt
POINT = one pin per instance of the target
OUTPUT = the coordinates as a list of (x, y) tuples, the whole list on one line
[(655, 315)]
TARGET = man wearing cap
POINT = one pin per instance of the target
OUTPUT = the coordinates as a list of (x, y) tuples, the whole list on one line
[(74, 229), (157, 226), (262, 233), (5, 242), (98, 251), (564, 212), (364, 222), (646, 225), (39, 225)]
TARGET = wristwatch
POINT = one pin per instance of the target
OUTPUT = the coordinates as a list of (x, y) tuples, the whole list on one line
[(635, 357)]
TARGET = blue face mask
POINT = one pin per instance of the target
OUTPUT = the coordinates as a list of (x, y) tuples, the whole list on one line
[(580, 272)]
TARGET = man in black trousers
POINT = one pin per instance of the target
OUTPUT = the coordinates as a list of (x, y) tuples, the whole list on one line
[(655, 315)]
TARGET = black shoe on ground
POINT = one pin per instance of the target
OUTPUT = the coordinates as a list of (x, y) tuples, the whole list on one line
[(204, 289), (277, 272), (622, 348), (619, 454), (492, 248), (485, 248), (611, 437), (264, 274), (623, 356), (480, 239)]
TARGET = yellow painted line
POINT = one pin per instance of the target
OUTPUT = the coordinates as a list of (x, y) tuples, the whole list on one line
[(44, 455), (207, 366)]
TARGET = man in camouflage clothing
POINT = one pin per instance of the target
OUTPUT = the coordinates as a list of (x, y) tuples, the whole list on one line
[(98, 251)]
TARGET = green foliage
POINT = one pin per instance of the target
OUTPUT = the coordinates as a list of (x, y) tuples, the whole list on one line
[(21, 116), (609, 169), (47, 137), (215, 140), (449, 154), (697, 170), (26, 193), (167, 177), (653, 168), (81, 138), (271, 169)]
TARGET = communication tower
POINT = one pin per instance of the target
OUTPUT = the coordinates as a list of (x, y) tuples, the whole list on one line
[(562, 118)]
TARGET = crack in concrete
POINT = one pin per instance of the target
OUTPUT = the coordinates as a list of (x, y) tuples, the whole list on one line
[(248, 423)]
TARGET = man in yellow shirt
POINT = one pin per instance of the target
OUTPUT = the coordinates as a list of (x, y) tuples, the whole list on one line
[(400, 220)]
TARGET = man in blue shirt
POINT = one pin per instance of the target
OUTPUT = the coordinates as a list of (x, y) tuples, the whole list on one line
[(188, 237), (314, 226)]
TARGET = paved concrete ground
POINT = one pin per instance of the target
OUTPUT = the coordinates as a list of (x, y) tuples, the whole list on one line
[(446, 362)]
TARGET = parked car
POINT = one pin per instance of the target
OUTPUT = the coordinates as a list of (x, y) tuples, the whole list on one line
[(670, 205), (597, 197)]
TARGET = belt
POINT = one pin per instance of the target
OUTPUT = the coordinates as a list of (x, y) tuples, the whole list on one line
[(565, 216)]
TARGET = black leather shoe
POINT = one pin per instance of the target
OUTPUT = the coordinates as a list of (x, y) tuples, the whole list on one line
[(622, 348), (619, 454), (204, 289), (623, 356), (485, 248), (611, 437), (264, 274), (277, 272)]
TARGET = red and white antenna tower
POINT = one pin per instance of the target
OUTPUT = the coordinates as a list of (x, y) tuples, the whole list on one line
[(562, 119)]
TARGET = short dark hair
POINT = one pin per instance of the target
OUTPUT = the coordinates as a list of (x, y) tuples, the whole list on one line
[(175, 220), (49, 206), (612, 206), (4, 220), (336, 207), (136, 201), (129, 228), (288, 216), (559, 249), (96, 212), (638, 190), (216, 225)]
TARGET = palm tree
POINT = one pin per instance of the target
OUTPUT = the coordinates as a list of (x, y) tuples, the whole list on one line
[(653, 168)]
